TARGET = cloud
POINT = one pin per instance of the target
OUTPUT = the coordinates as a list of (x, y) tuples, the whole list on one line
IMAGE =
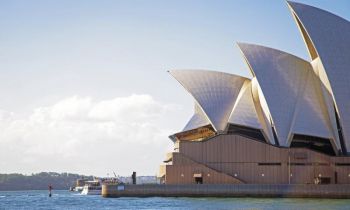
[(79, 134)]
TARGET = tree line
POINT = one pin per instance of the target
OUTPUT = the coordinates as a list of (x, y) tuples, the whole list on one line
[(39, 181)]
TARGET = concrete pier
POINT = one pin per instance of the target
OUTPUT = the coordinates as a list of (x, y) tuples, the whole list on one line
[(228, 190)]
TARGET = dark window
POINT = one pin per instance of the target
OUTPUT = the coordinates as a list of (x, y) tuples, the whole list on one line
[(246, 132), (314, 143), (198, 180), (269, 164), (335, 178), (340, 133), (300, 164), (325, 180), (342, 164)]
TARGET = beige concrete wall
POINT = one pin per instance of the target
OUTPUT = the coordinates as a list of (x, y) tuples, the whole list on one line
[(183, 170), (239, 157)]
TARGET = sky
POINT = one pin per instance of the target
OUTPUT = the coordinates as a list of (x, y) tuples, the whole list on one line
[(84, 84)]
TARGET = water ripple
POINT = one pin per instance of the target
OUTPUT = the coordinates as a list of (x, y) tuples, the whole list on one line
[(67, 200)]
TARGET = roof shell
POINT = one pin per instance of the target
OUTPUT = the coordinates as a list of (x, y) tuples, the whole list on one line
[(244, 112), (292, 92), (327, 37), (197, 120), (214, 92), (248, 111)]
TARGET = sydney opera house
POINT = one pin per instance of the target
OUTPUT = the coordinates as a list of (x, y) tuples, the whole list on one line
[(288, 124)]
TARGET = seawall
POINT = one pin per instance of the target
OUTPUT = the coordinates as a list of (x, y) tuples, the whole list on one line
[(228, 190)]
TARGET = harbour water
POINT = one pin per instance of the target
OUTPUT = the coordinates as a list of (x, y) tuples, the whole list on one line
[(68, 200)]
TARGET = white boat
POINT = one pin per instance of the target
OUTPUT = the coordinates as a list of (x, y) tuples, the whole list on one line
[(78, 189), (79, 185), (92, 188)]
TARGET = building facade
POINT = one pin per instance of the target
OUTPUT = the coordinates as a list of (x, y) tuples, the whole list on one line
[(289, 123)]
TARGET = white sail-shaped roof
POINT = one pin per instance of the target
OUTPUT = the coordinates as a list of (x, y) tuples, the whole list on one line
[(244, 112), (289, 85), (327, 37), (247, 112), (214, 92), (197, 120), (262, 111)]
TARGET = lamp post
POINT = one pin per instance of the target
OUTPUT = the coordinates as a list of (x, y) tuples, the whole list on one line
[(288, 166)]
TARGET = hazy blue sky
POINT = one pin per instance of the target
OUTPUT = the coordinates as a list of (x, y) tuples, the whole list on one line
[(84, 86)]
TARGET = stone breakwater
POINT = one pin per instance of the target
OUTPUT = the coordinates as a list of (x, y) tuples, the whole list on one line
[(228, 190)]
